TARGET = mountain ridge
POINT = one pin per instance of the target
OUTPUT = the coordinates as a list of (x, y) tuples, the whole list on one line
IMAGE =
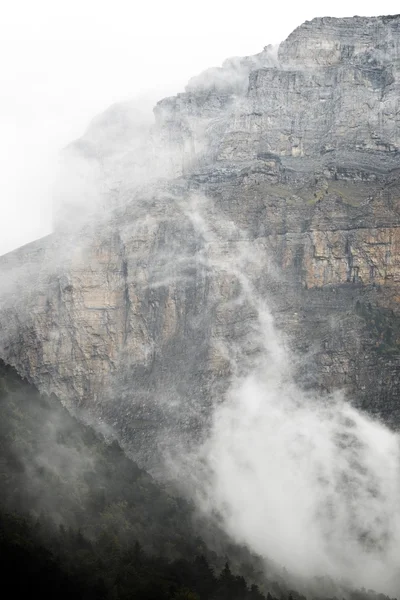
[(127, 309)]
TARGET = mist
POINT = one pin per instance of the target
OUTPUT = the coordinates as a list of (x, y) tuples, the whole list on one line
[(65, 63), (303, 479)]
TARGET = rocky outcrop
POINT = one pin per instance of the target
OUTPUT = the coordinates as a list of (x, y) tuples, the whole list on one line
[(283, 169)]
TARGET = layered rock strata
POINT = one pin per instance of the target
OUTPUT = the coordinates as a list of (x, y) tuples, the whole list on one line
[(284, 167)]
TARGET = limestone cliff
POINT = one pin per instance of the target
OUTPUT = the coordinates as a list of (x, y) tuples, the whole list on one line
[(286, 165)]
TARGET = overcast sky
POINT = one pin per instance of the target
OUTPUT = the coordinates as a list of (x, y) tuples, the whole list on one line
[(63, 62)]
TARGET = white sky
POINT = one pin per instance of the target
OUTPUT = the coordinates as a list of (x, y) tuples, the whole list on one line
[(62, 62)]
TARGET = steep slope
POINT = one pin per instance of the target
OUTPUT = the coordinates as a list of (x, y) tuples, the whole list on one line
[(56, 469), (78, 517), (285, 167)]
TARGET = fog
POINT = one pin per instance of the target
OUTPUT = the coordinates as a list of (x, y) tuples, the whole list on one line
[(62, 63), (303, 479)]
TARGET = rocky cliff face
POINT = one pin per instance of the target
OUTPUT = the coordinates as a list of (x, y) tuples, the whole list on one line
[(278, 174)]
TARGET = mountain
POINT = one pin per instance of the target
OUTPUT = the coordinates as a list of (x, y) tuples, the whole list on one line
[(221, 294), (287, 162), (78, 517)]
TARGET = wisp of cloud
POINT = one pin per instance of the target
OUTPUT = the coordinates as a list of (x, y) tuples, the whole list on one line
[(303, 479)]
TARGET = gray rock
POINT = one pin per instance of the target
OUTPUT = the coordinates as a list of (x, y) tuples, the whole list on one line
[(283, 167)]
